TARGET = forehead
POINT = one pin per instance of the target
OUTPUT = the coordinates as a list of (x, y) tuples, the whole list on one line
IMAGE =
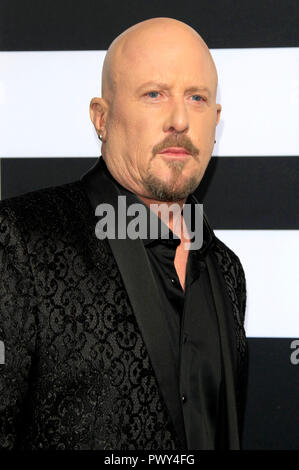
[(180, 61)]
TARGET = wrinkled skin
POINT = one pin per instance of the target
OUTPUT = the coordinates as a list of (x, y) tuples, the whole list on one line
[(177, 109)]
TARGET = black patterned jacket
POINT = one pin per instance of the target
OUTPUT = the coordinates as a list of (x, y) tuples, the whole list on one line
[(88, 361)]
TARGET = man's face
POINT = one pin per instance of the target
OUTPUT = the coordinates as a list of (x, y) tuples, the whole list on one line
[(164, 98)]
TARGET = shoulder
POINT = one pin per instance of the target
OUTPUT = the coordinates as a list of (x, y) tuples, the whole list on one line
[(225, 255), (45, 207), (41, 198)]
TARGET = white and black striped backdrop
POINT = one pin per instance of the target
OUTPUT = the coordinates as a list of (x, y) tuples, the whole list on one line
[(51, 56)]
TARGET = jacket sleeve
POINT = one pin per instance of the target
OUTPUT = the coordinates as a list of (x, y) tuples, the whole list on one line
[(242, 294), (17, 327), (243, 370), (234, 276)]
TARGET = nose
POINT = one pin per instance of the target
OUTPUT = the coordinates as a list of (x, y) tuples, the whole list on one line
[(177, 119)]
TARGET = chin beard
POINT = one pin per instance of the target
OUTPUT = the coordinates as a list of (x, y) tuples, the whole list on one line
[(169, 192)]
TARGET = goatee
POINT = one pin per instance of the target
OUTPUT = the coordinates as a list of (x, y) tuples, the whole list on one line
[(163, 191)]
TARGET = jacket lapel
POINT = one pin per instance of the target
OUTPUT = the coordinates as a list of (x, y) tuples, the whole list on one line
[(144, 296)]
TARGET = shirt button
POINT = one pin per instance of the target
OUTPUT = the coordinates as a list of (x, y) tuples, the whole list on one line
[(184, 399), (173, 281)]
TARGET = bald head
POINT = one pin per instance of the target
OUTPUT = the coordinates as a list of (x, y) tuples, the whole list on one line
[(145, 40), (159, 88)]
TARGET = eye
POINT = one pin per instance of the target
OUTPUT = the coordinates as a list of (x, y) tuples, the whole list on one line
[(198, 98), (153, 94)]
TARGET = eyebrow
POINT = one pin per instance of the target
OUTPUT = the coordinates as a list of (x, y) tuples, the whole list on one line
[(161, 85)]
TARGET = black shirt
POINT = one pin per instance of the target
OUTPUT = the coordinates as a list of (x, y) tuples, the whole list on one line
[(193, 329)]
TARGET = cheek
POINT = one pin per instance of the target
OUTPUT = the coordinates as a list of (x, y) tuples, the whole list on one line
[(143, 134), (205, 125), (205, 132), (131, 135), (116, 120), (126, 125)]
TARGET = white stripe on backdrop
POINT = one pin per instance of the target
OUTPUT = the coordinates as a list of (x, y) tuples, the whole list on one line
[(270, 259), (44, 100)]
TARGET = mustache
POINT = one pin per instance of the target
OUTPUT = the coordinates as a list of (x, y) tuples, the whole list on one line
[(179, 141)]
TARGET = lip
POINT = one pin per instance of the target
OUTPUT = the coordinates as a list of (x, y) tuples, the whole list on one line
[(175, 152)]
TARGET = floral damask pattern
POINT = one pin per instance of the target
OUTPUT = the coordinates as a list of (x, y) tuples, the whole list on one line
[(234, 277), (77, 373)]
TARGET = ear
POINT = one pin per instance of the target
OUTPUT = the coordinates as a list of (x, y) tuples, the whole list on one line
[(218, 110), (98, 112)]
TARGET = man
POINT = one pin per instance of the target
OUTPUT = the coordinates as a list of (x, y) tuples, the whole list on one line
[(126, 343)]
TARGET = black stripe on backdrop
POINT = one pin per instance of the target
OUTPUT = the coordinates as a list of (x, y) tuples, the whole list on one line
[(237, 192), (271, 418), (93, 24)]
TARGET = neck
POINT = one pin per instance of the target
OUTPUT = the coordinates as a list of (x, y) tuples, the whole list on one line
[(173, 219)]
